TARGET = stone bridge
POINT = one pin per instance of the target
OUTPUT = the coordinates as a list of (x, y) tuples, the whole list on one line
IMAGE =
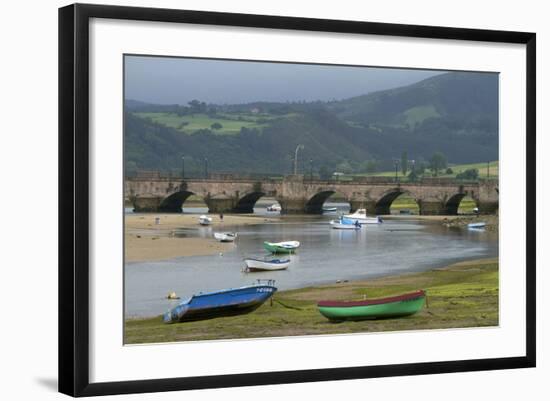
[(298, 194)]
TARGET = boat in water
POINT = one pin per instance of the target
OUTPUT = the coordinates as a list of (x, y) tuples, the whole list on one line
[(480, 224), (228, 302), (225, 237), (266, 264), (397, 306), (361, 216), (342, 225), (205, 220), (329, 209), (281, 247), (274, 208)]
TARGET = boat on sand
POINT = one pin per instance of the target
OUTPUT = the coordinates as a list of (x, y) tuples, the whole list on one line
[(205, 220), (225, 237), (228, 302), (381, 308)]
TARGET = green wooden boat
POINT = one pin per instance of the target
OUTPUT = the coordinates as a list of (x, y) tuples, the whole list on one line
[(281, 247), (401, 305)]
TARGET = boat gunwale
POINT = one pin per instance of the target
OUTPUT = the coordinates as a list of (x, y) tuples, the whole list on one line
[(273, 261), (229, 290), (379, 301)]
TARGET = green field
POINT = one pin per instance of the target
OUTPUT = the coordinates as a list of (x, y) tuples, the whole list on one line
[(418, 114), (462, 295), (192, 123), (405, 202), (457, 168)]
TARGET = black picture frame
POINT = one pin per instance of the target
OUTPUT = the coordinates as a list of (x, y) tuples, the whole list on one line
[(74, 198)]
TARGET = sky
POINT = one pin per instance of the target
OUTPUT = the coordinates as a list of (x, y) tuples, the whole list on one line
[(171, 80)]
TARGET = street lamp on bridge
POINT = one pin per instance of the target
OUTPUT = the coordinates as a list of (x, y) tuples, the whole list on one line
[(396, 163), (183, 167), (296, 158), (205, 168)]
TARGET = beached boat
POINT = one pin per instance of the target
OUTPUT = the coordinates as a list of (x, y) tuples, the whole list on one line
[(228, 302), (401, 305), (340, 225), (480, 224), (205, 220), (361, 216), (225, 237), (274, 208), (329, 209), (281, 247), (269, 264)]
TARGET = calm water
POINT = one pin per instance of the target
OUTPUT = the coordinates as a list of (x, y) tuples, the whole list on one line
[(326, 255)]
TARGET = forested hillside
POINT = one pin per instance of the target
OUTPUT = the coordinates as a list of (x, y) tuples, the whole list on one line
[(453, 113)]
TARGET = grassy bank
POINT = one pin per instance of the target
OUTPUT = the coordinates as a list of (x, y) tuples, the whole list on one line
[(460, 295)]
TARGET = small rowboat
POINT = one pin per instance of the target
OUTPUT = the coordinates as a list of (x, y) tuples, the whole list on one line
[(281, 247), (205, 220), (402, 305), (329, 209), (225, 237), (481, 224), (339, 225), (274, 208), (229, 302), (253, 265)]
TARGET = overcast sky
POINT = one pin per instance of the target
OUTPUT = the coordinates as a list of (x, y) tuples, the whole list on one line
[(166, 80)]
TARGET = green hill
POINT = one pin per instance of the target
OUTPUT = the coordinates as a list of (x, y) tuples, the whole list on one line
[(454, 113)]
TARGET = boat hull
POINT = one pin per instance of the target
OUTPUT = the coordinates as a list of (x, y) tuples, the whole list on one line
[(340, 226), (220, 304), (400, 306), (260, 265), (363, 220)]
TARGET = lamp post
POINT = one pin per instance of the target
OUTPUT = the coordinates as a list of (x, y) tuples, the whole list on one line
[(311, 169), (296, 158), (183, 167), (396, 163), (205, 168), (488, 170)]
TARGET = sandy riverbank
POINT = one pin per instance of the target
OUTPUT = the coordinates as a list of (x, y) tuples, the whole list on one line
[(460, 295), (147, 241)]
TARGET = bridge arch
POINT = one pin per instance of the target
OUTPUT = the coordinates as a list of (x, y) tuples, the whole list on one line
[(246, 203), (453, 203), (383, 204), (315, 204), (173, 203)]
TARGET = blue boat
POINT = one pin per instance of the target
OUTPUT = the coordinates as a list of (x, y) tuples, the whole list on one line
[(229, 302)]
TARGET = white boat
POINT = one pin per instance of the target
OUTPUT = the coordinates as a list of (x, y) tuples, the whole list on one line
[(266, 264), (205, 220), (274, 208), (361, 216), (339, 225), (481, 224), (225, 237), (329, 209)]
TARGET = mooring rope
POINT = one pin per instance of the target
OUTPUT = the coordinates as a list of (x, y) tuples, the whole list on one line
[(287, 306)]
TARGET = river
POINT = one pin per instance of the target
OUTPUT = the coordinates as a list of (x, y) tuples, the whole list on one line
[(326, 255)]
